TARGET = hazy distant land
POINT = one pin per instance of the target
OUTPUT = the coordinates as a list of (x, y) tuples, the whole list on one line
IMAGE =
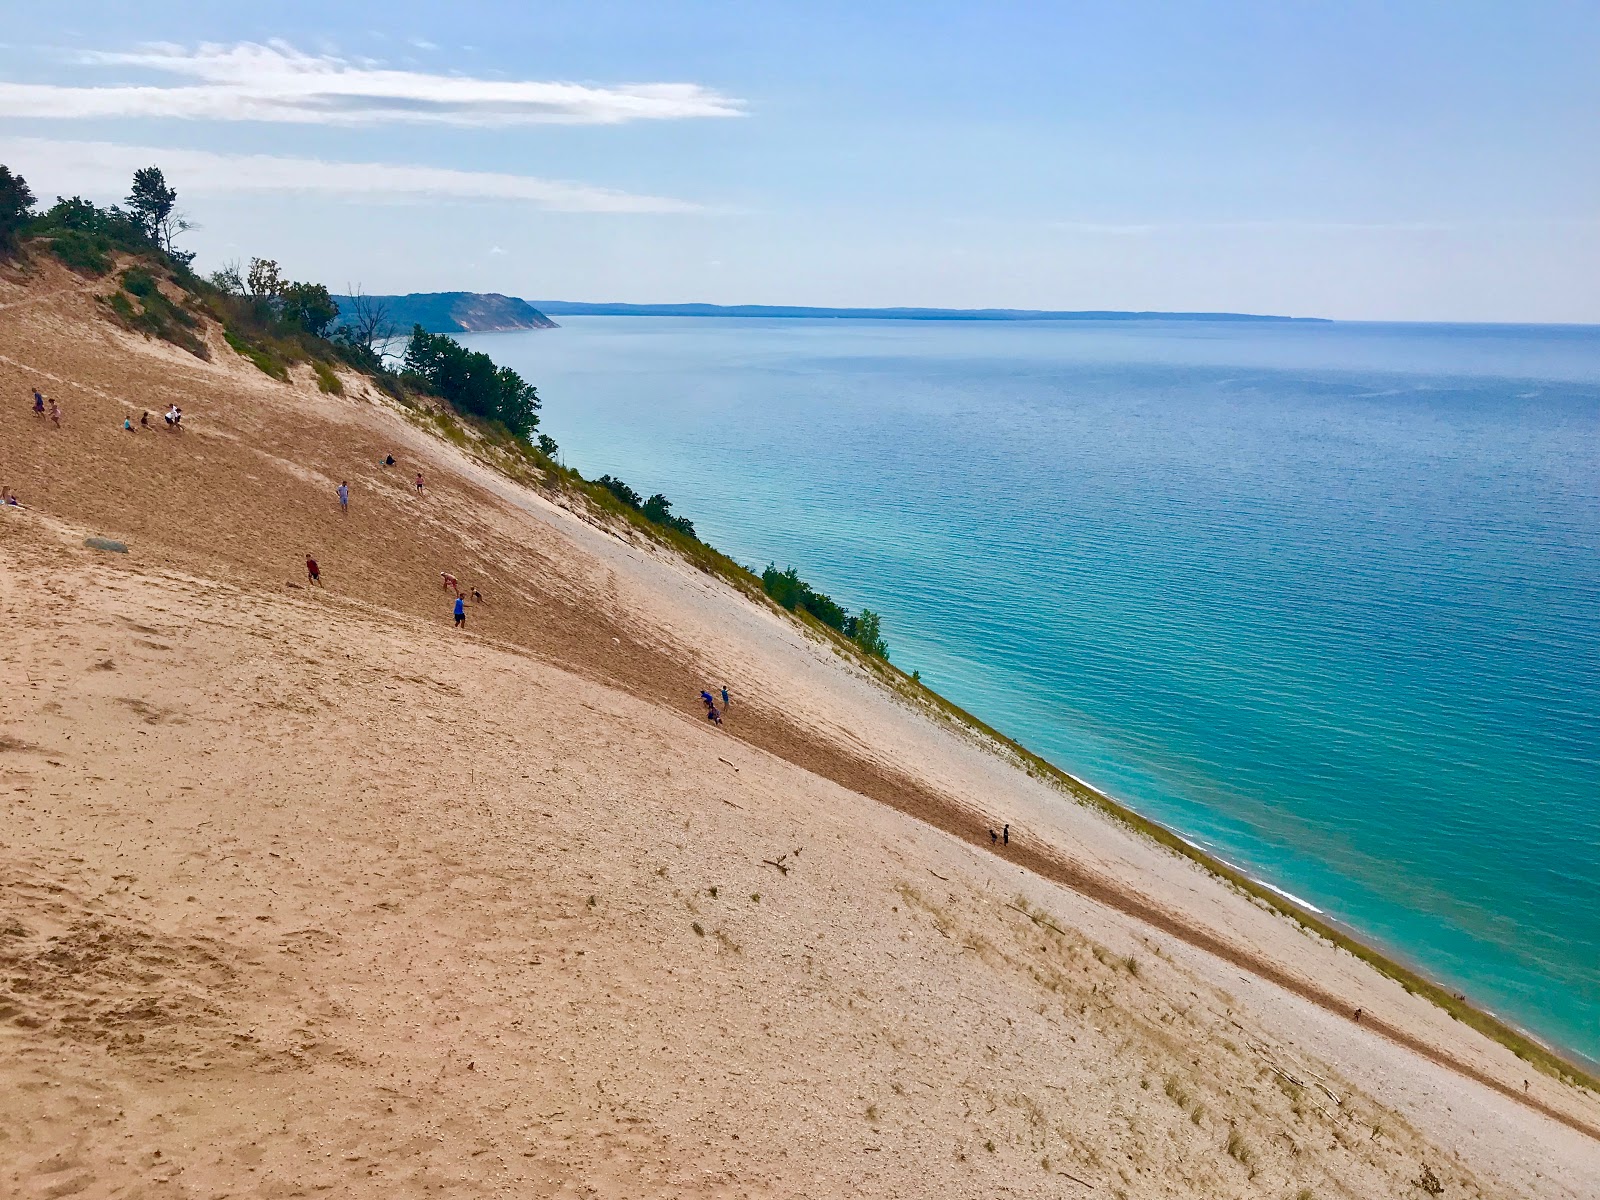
[(580, 308), (456, 312), (490, 312)]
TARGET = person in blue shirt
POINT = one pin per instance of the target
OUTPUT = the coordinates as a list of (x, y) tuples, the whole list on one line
[(461, 612)]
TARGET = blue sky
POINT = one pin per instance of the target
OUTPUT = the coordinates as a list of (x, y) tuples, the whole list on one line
[(1386, 161)]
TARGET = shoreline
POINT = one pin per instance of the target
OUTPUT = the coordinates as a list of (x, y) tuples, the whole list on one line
[(1547, 1056)]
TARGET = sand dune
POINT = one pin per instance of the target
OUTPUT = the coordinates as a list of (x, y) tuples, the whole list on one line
[(305, 891)]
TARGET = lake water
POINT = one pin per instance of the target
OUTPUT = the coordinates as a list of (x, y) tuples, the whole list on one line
[(1324, 597)]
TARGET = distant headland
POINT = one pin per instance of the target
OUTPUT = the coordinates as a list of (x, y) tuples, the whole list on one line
[(454, 312), (579, 308)]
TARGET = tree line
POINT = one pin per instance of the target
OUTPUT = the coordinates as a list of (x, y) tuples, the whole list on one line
[(865, 628)]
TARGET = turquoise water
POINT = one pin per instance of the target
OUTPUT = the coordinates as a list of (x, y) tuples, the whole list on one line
[(1320, 597)]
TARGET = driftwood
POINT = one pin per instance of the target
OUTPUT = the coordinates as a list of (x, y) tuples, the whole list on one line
[(725, 762), (1076, 1180), (936, 874), (728, 802), (778, 862)]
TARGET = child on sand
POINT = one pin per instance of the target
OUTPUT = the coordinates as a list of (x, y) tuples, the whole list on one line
[(724, 695), (38, 403), (461, 612), (144, 419), (344, 496), (127, 424), (313, 572), (419, 483), (55, 414), (450, 584)]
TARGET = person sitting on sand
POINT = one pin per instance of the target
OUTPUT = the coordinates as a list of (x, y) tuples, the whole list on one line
[(313, 572), (171, 416), (477, 596), (144, 419), (38, 403), (127, 424), (388, 461), (8, 498)]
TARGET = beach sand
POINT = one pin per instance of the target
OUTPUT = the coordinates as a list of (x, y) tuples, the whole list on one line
[(305, 891)]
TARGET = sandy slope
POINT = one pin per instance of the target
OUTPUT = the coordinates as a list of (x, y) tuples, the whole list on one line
[(305, 891)]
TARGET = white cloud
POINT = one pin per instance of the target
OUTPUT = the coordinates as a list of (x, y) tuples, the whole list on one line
[(104, 169), (276, 82)]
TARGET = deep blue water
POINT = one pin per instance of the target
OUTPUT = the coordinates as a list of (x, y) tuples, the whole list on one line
[(1320, 597)]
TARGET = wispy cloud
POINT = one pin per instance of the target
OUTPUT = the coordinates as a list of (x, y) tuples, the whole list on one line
[(104, 168), (276, 82)]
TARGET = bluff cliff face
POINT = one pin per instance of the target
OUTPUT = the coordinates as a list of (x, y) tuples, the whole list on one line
[(457, 312)]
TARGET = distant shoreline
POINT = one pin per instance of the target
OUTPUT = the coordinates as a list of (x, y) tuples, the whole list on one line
[(578, 308)]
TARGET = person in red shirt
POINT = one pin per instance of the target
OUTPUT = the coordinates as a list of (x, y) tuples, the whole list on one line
[(313, 572)]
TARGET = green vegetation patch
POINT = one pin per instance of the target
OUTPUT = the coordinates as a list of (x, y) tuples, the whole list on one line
[(268, 362), (82, 252), (327, 381), (141, 306)]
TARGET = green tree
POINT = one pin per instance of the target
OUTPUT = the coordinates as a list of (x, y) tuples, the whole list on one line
[(621, 491), (659, 510), (471, 382), (16, 206), (789, 590), (228, 280), (310, 306), (154, 208), (869, 634), (263, 278)]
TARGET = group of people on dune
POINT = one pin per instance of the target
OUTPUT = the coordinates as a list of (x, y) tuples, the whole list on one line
[(174, 419), (713, 713), (459, 610)]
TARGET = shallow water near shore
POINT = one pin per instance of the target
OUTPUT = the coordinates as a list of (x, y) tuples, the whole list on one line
[(1325, 599)]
